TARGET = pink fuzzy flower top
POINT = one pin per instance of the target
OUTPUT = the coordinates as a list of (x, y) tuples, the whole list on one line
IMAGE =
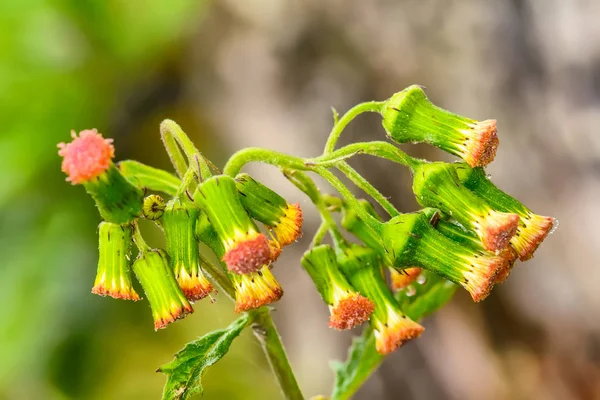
[(87, 156)]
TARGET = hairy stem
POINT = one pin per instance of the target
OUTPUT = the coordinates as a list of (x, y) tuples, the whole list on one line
[(338, 127), (368, 188), (266, 333)]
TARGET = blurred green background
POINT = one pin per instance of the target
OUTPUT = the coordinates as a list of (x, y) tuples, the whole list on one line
[(265, 73)]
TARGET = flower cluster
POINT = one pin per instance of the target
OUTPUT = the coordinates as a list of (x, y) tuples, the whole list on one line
[(469, 232), (222, 213)]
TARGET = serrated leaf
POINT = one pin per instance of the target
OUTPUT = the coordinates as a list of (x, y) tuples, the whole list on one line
[(184, 373), (363, 358)]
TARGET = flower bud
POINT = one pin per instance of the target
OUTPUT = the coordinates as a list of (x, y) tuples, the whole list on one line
[(179, 224), (153, 207), (252, 290), (392, 328), (255, 289), (412, 241), (246, 249), (469, 240), (409, 116), (87, 160), (347, 307), (146, 177), (114, 268), (167, 301), (532, 229), (266, 206), (437, 185)]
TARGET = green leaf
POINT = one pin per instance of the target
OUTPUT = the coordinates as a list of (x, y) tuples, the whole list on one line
[(147, 177), (363, 358), (184, 373)]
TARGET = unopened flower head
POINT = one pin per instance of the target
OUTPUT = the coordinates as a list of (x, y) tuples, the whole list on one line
[(412, 241), (179, 224), (87, 160), (154, 207), (255, 289), (437, 185), (409, 116), (167, 301), (246, 248), (454, 231), (114, 268), (252, 290), (347, 307), (532, 229), (392, 328), (268, 207)]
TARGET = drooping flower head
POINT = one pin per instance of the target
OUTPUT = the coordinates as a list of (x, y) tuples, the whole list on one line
[(268, 207), (252, 290), (167, 301), (437, 185), (413, 241), (255, 289), (114, 268), (532, 229), (467, 239), (347, 307), (179, 224), (392, 328), (246, 248), (409, 116), (87, 160)]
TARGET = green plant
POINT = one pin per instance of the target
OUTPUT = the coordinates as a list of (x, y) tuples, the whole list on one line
[(469, 235)]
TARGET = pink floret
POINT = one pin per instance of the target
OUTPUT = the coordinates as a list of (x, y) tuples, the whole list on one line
[(87, 156)]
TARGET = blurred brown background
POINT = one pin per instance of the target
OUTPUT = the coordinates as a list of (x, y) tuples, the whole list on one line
[(265, 73)]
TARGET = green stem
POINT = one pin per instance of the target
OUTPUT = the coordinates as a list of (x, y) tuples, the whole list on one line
[(338, 185), (266, 333), (175, 140), (377, 148), (340, 125), (320, 234), (138, 239), (307, 185), (368, 188), (256, 154)]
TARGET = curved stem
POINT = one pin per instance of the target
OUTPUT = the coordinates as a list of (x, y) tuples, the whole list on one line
[(266, 333), (306, 184), (175, 140), (371, 221), (368, 188), (254, 154), (138, 239), (377, 148), (338, 127)]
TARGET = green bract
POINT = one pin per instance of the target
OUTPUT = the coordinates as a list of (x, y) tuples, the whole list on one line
[(437, 185), (409, 116), (532, 229), (117, 199), (114, 268), (246, 249), (167, 301), (362, 267), (348, 308), (179, 224)]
